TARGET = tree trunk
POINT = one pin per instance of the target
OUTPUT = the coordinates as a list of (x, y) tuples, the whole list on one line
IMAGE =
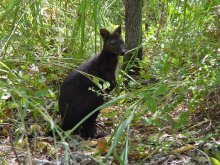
[(133, 21), (217, 23)]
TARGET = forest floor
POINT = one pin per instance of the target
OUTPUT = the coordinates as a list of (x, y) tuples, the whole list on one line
[(161, 146)]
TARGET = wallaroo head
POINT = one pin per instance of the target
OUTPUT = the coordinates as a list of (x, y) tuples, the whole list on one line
[(113, 42)]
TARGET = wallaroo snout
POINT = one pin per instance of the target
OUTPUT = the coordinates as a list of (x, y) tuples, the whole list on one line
[(76, 100)]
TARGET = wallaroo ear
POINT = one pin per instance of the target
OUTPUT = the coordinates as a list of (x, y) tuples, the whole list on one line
[(104, 33), (118, 30)]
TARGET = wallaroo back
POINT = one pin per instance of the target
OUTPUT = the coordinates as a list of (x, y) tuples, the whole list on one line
[(76, 100)]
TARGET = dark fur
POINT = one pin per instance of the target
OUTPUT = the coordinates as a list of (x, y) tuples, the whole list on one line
[(75, 100)]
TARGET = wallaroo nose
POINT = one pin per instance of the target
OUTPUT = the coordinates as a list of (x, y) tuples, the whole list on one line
[(123, 52)]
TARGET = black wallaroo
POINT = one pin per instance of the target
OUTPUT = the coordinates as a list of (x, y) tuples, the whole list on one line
[(76, 100)]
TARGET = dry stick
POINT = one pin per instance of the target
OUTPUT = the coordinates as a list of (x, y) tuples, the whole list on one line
[(12, 145), (198, 124)]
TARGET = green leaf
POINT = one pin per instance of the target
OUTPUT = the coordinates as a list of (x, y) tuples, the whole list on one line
[(162, 90), (217, 154), (150, 102), (3, 65), (214, 161), (184, 117), (147, 121), (105, 85)]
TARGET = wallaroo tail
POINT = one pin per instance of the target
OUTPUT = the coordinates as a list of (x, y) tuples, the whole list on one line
[(76, 99)]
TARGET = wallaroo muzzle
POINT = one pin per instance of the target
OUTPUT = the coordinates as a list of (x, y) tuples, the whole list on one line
[(123, 51)]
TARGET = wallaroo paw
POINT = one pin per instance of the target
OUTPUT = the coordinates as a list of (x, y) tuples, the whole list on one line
[(100, 135), (94, 135)]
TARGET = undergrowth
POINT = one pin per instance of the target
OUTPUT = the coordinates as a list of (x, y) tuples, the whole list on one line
[(42, 41)]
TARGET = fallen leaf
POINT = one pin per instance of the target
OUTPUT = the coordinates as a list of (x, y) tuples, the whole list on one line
[(138, 155), (22, 142), (36, 128), (182, 149), (89, 143), (102, 145), (106, 110), (5, 132), (45, 148)]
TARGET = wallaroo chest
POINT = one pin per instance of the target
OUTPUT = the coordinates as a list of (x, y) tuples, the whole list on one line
[(76, 101)]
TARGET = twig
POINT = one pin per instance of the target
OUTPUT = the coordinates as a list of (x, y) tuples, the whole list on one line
[(209, 161), (7, 126), (198, 124)]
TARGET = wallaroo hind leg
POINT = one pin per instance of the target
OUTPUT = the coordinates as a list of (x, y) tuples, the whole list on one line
[(88, 128), (70, 117), (74, 114)]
